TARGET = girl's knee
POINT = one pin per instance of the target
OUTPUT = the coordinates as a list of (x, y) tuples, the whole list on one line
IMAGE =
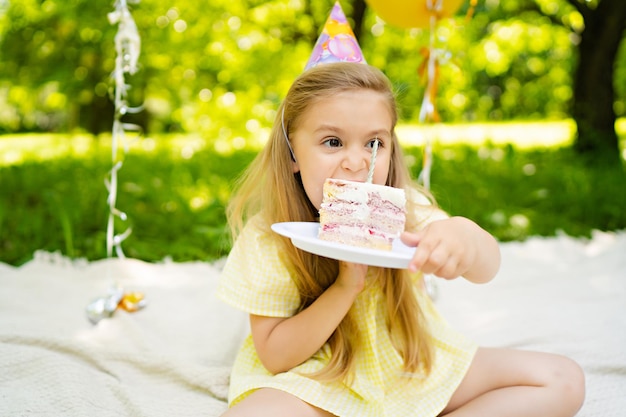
[(269, 402), (569, 380)]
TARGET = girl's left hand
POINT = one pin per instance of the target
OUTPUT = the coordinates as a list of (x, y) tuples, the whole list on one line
[(351, 276), (454, 247)]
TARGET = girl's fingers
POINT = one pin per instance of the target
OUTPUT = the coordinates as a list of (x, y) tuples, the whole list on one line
[(433, 256), (410, 239), (422, 252)]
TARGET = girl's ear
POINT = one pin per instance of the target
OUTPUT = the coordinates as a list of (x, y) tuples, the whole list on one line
[(294, 166)]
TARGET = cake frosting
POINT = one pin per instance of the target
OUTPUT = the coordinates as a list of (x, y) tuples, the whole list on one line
[(361, 214)]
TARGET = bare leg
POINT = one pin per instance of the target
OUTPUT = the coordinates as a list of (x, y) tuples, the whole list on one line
[(509, 383), (269, 402)]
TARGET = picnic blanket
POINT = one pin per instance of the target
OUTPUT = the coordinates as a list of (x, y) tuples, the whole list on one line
[(174, 356)]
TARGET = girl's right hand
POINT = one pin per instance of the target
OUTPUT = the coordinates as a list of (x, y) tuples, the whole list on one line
[(285, 342), (351, 277)]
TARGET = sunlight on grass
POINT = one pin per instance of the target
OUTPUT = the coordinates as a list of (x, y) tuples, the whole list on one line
[(175, 188), (523, 135), (15, 149)]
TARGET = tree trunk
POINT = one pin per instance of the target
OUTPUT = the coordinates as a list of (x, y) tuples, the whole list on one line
[(97, 116), (593, 83), (358, 15)]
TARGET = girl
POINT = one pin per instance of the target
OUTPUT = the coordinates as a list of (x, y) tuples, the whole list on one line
[(333, 338)]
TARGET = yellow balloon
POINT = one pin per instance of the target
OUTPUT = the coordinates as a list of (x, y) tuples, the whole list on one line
[(411, 13)]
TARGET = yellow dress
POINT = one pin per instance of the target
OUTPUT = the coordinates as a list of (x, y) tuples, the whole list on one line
[(257, 281)]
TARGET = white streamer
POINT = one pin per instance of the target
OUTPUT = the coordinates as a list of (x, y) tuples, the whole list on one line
[(127, 48)]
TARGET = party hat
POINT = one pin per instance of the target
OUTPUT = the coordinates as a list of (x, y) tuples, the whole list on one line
[(337, 42)]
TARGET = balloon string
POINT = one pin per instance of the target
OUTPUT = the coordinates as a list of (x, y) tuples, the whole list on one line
[(428, 110), (429, 69), (127, 48), (470, 10)]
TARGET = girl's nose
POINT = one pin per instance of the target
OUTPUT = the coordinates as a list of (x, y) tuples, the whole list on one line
[(355, 161)]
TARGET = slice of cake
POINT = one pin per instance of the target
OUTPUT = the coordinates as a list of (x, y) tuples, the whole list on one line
[(361, 214)]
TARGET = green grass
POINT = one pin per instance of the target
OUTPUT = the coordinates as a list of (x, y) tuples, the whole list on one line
[(174, 190)]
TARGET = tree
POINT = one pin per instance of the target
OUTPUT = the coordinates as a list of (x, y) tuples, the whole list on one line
[(221, 70), (595, 28), (594, 89), (56, 60)]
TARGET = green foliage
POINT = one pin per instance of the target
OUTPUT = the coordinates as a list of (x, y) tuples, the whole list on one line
[(56, 57), (175, 205), (206, 68), (516, 194), (219, 70), (174, 190)]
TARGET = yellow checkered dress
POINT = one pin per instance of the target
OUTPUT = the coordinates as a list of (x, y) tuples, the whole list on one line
[(255, 280)]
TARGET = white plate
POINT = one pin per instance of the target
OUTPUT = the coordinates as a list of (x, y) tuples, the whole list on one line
[(303, 235)]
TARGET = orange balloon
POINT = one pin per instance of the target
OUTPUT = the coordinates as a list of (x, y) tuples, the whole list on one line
[(412, 13)]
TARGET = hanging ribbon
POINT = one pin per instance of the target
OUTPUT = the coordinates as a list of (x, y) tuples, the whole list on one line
[(428, 71), (428, 111), (431, 83), (127, 48), (470, 10)]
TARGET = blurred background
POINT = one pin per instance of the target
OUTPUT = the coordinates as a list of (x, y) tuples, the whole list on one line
[(531, 99)]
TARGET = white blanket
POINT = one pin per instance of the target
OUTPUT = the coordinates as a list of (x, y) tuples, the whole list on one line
[(173, 357)]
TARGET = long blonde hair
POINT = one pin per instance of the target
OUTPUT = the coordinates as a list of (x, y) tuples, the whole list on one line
[(270, 188)]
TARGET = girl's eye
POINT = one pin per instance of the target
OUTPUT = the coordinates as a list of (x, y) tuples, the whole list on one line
[(332, 143), (370, 144)]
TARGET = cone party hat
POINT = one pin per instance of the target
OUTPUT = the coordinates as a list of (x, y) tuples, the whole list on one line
[(337, 42)]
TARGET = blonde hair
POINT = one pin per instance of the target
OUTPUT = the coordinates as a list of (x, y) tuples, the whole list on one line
[(269, 188)]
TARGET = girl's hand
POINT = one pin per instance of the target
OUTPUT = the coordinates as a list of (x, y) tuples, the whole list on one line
[(351, 277), (285, 342), (454, 247)]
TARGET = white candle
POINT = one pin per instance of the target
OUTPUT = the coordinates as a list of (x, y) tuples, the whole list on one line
[(370, 174)]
